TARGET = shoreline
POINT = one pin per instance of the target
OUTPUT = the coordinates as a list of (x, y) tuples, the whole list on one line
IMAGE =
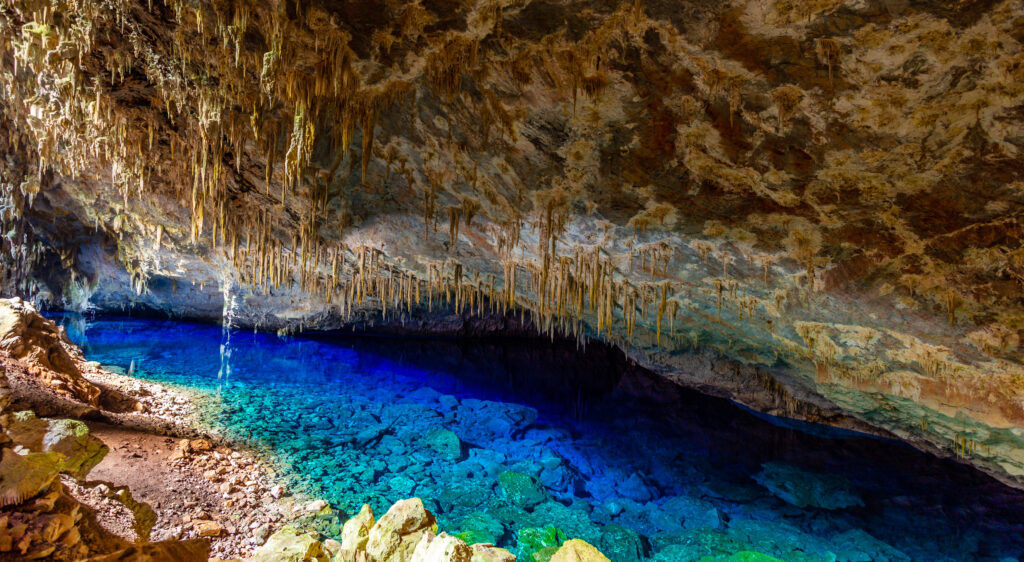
[(198, 482)]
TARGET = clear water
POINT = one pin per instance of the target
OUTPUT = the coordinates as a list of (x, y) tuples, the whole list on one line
[(631, 463)]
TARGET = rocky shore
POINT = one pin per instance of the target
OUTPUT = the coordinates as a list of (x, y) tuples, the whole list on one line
[(101, 466)]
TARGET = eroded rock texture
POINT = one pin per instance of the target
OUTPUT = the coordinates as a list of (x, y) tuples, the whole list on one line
[(811, 207)]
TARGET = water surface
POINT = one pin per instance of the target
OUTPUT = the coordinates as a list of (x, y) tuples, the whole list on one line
[(504, 440)]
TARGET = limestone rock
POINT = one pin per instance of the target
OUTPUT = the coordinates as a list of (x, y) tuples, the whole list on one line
[(209, 529), (24, 476), (522, 489), (27, 336), (621, 544), (531, 540), (441, 548), (356, 531), (444, 442), (576, 550), (491, 553), (394, 537), (70, 438), (803, 489), (289, 545)]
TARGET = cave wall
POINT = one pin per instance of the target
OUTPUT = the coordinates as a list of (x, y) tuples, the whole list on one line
[(813, 208)]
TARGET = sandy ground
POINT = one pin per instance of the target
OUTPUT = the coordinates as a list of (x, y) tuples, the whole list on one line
[(198, 485)]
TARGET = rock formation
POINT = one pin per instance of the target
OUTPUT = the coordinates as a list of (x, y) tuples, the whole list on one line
[(813, 208)]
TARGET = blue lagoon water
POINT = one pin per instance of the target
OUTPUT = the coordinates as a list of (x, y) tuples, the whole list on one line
[(525, 443)]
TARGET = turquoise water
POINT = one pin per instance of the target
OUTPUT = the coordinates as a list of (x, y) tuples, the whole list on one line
[(503, 440)]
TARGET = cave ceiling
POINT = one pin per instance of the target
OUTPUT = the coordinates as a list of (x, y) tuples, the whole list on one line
[(829, 191)]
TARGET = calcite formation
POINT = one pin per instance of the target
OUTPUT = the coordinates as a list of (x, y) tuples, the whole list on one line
[(813, 208)]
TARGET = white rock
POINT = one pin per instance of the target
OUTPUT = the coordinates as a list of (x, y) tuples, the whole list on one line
[(316, 506)]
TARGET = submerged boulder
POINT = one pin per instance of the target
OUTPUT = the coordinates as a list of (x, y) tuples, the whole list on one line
[(481, 527), (533, 540), (444, 442), (621, 544), (521, 489), (808, 489)]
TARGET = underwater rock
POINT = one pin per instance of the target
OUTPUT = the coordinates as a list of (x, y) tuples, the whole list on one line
[(522, 489), (621, 544), (577, 550), (481, 527), (693, 544), (574, 521), (356, 531), (808, 489), (402, 485), (534, 540), (441, 548), (684, 512), (289, 545), (397, 533), (781, 540), (856, 545), (468, 494), (748, 556), (445, 443), (634, 488), (70, 438)]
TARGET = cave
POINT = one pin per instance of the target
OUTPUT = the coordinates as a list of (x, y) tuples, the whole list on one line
[(498, 280)]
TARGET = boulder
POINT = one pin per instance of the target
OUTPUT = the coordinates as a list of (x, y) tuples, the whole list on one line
[(532, 540), (24, 476), (441, 548), (621, 544), (28, 336), (289, 545), (70, 438), (394, 537), (444, 442), (808, 489), (356, 531), (521, 489), (577, 550), (481, 527)]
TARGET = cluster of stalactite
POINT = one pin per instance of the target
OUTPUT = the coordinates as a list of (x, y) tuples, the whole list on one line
[(220, 107), (213, 103)]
